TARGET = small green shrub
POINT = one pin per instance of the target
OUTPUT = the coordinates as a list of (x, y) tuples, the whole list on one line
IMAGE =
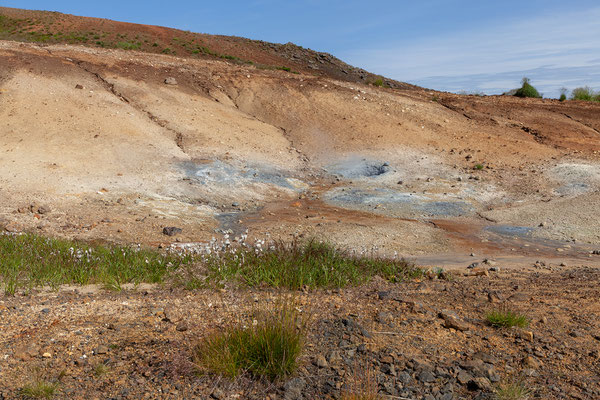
[(585, 93), (504, 318), (562, 97), (268, 348), (378, 82), (478, 167), (527, 90)]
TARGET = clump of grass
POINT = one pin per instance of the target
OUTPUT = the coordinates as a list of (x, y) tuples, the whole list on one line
[(39, 389), (101, 369), (478, 166), (527, 90), (504, 318), (512, 391), (269, 348), (310, 264)]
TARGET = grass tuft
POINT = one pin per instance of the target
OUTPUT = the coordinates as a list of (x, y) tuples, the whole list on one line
[(503, 318), (101, 369), (39, 389), (267, 349), (512, 391)]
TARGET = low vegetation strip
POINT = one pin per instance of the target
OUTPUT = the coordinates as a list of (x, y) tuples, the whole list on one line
[(33, 261), (29, 261), (310, 264)]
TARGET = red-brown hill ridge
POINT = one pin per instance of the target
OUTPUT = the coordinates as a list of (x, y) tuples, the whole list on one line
[(54, 27)]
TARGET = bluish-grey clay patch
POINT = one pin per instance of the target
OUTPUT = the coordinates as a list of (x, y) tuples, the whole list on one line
[(397, 204), (216, 172), (356, 167), (511, 230)]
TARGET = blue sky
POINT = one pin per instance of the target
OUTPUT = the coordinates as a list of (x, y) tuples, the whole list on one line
[(471, 45)]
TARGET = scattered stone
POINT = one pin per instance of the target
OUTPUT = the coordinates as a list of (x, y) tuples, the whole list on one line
[(477, 272), (473, 265), (426, 376), (181, 327), (335, 357), (452, 320), (494, 297), (524, 334), (101, 349), (170, 81), (352, 325), (294, 388), (382, 295), (43, 210), (171, 230), (404, 378), (218, 394), (519, 296), (78, 86), (479, 383), (47, 355), (463, 377), (531, 362), (321, 362)]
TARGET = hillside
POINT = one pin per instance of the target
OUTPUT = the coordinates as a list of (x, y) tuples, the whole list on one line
[(46, 27)]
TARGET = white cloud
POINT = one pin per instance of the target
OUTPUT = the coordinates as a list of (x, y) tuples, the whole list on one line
[(548, 47)]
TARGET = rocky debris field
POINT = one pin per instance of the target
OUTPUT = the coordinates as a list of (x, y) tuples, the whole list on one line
[(426, 339)]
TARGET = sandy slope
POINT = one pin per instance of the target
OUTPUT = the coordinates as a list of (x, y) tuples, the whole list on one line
[(287, 154)]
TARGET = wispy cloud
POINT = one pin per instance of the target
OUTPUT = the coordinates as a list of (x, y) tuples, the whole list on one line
[(553, 50)]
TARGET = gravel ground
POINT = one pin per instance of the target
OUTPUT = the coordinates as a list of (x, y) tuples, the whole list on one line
[(417, 340)]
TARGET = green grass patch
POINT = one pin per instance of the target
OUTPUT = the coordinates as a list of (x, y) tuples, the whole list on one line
[(28, 261), (503, 318), (311, 264), (478, 167), (512, 391), (33, 261), (39, 389), (268, 347), (129, 45)]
